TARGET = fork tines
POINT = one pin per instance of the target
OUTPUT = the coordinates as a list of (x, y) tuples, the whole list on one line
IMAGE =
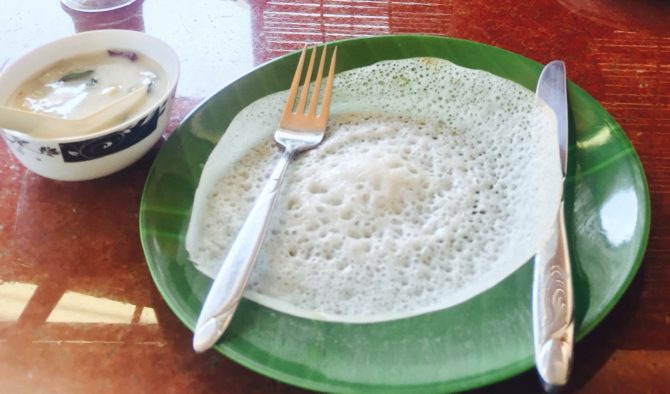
[(297, 109)]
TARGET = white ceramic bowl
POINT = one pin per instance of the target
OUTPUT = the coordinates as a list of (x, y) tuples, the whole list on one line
[(104, 152)]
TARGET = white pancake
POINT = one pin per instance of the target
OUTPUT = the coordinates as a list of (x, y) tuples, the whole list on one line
[(435, 182)]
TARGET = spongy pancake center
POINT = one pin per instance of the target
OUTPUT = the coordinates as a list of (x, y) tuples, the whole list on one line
[(400, 211)]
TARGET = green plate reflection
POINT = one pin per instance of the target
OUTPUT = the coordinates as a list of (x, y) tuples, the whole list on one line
[(481, 341)]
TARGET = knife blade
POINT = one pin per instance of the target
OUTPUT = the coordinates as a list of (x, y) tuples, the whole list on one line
[(552, 293)]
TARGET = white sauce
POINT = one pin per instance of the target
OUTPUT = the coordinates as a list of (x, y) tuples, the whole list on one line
[(77, 87)]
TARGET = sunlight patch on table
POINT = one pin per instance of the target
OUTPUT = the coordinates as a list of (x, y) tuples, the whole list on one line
[(81, 308), (14, 297), (148, 316)]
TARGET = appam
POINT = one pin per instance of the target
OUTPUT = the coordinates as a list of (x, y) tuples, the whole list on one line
[(435, 182)]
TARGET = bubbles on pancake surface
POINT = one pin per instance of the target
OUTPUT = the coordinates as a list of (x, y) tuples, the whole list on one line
[(434, 183)]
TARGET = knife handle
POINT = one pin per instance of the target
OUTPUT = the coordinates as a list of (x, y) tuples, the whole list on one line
[(553, 303)]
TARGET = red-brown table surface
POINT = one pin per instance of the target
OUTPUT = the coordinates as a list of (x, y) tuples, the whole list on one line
[(79, 312)]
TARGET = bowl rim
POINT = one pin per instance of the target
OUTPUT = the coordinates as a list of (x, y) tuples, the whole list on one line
[(71, 39)]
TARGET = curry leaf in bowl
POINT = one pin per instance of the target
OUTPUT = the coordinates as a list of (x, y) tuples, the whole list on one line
[(76, 75)]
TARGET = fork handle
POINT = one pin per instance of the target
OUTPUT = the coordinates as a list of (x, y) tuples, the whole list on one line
[(552, 298), (232, 278)]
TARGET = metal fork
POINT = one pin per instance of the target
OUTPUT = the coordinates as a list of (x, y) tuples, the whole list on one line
[(298, 131)]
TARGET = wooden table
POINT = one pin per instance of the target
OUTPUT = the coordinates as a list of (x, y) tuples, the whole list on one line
[(79, 312)]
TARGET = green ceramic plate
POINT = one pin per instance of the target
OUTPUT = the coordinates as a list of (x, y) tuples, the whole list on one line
[(481, 341)]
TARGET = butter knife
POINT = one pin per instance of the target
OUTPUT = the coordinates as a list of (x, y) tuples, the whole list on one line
[(552, 294)]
